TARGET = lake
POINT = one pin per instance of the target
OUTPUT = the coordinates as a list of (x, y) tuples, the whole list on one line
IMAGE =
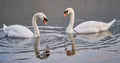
[(54, 44)]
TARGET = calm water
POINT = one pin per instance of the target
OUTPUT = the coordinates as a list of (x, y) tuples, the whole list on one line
[(54, 45), (50, 47)]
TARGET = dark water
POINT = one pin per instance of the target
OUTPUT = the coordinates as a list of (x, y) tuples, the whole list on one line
[(54, 45)]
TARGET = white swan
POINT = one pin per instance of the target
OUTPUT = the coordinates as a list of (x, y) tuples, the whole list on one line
[(85, 27), (20, 31)]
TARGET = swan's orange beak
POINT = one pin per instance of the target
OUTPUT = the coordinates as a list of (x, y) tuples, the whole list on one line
[(45, 21)]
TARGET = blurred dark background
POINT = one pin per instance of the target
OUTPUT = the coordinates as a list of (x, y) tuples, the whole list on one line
[(21, 11)]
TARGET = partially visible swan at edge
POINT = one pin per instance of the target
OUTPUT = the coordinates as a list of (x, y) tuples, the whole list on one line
[(20, 31), (85, 27)]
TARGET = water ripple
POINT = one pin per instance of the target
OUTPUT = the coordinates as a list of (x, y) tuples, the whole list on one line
[(57, 40)]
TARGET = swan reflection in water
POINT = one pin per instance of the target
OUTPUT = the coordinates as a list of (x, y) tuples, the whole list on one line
[(93, 37), (73, 47), (43, 55)]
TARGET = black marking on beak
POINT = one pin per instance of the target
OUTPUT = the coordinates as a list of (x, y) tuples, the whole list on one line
[(66, 12), (45, 19)]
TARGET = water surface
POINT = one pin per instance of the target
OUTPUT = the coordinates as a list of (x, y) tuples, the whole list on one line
[(55, 46)]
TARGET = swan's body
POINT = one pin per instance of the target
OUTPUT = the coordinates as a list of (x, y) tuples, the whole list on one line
[(21, 31), (17, 31), (85, 27), (92, 27)]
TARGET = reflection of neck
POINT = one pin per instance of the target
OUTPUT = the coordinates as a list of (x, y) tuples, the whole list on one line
[(45, 54), (36, 29), (36, 46), (71, 23), (73, 44)]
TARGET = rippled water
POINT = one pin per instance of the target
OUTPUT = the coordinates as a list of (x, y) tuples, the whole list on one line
[(55, 46)]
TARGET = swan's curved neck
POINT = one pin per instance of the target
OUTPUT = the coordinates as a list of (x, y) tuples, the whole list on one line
[(36, 29), (71, 23)]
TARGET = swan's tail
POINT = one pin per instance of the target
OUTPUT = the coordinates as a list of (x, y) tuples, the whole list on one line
[(110, 23), (4, 26)]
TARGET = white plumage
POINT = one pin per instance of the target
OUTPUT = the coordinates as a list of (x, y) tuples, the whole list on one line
[(92, 27), (85, 27), (20, 31), (17, 31)]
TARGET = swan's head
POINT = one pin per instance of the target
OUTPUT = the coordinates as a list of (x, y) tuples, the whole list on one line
[(68, 11), (42, 16)]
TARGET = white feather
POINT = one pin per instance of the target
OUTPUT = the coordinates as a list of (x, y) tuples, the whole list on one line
[(86, 27), (22, 31)]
